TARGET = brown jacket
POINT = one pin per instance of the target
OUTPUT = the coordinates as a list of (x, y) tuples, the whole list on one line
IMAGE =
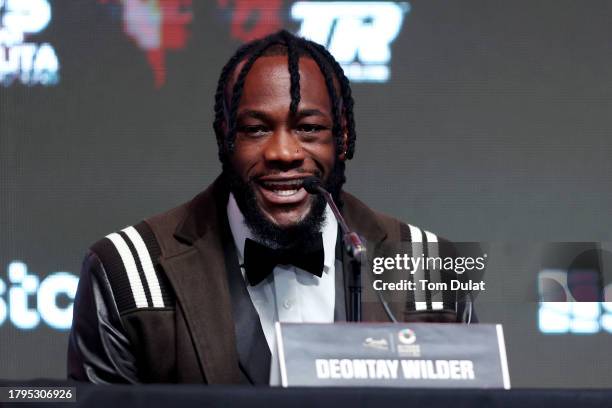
[(190, 320)]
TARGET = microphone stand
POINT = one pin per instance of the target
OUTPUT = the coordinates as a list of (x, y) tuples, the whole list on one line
[(355, 283), (353, 246)]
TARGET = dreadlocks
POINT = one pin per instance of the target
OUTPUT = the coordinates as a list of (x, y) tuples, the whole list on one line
[(283, 43)]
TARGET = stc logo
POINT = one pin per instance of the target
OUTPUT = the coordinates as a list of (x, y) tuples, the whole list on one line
[(27, 62), (58, 286), (358, 34)]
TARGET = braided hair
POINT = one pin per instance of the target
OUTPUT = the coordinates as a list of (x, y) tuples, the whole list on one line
[(283, 43)]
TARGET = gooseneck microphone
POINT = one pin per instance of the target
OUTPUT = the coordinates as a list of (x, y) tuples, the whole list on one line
[(354, 246), (355, 249)]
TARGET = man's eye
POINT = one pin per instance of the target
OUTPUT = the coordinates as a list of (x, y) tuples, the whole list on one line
[(254, 130), (310, 128)]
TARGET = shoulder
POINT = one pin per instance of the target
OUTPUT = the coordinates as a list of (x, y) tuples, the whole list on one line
[(148, 239), (371, 221), (131, 256), (405, 231), (130, 261)]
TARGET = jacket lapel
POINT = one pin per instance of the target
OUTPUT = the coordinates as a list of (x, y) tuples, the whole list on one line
[(198, 276), (251, 342), (222, 320), (201, 291)]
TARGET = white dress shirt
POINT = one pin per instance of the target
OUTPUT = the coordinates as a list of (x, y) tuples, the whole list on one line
[(289, 294)]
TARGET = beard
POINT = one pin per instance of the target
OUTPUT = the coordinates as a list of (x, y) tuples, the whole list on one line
[(298, 235)]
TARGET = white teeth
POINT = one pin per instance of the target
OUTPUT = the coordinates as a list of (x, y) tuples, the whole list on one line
[(285, 192)]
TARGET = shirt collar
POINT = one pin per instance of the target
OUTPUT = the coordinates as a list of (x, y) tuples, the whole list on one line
[(241, 232)]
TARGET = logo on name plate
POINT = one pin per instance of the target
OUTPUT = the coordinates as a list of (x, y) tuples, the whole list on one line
[(407, 346), (406, 336), (378, 344)]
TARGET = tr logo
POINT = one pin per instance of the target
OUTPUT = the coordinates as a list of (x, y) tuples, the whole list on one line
[(358, 34)]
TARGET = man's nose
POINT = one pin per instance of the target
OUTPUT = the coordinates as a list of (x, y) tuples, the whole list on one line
[(284, 148)]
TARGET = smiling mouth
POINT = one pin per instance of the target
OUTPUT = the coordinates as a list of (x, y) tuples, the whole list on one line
[(282, 191), (283, 188)]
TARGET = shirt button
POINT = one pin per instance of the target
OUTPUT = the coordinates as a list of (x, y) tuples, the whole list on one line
[(287, 304)]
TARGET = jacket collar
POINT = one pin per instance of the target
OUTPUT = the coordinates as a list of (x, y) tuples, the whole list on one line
[(203, 213), (362, 219), (198, 276)]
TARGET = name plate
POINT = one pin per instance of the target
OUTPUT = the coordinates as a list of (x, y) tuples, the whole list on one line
[(419, 355)]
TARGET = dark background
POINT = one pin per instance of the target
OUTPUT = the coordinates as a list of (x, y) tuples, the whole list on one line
[(494, 126)]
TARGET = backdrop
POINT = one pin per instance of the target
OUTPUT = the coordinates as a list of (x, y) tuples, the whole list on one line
[(478, 120)]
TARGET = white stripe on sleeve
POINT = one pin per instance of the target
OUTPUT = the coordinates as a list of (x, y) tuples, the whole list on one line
[(147, 266), (416, 237), (435, 274), (130, 267)]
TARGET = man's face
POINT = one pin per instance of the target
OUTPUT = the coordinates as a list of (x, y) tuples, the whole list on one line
[(275, 150)]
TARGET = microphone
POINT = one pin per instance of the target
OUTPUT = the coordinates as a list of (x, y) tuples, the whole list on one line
[(356, 250), (354, 246), (312, 184)]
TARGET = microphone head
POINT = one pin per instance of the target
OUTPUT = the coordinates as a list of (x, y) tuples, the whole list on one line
[(311, 184)]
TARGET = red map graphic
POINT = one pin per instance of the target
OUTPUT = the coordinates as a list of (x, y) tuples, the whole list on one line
[(253, 19), (156, 26)]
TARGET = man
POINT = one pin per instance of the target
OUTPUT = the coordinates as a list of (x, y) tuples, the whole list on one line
[(191, 295)]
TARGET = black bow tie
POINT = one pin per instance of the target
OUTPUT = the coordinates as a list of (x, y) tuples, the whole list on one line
[(260, 260)]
